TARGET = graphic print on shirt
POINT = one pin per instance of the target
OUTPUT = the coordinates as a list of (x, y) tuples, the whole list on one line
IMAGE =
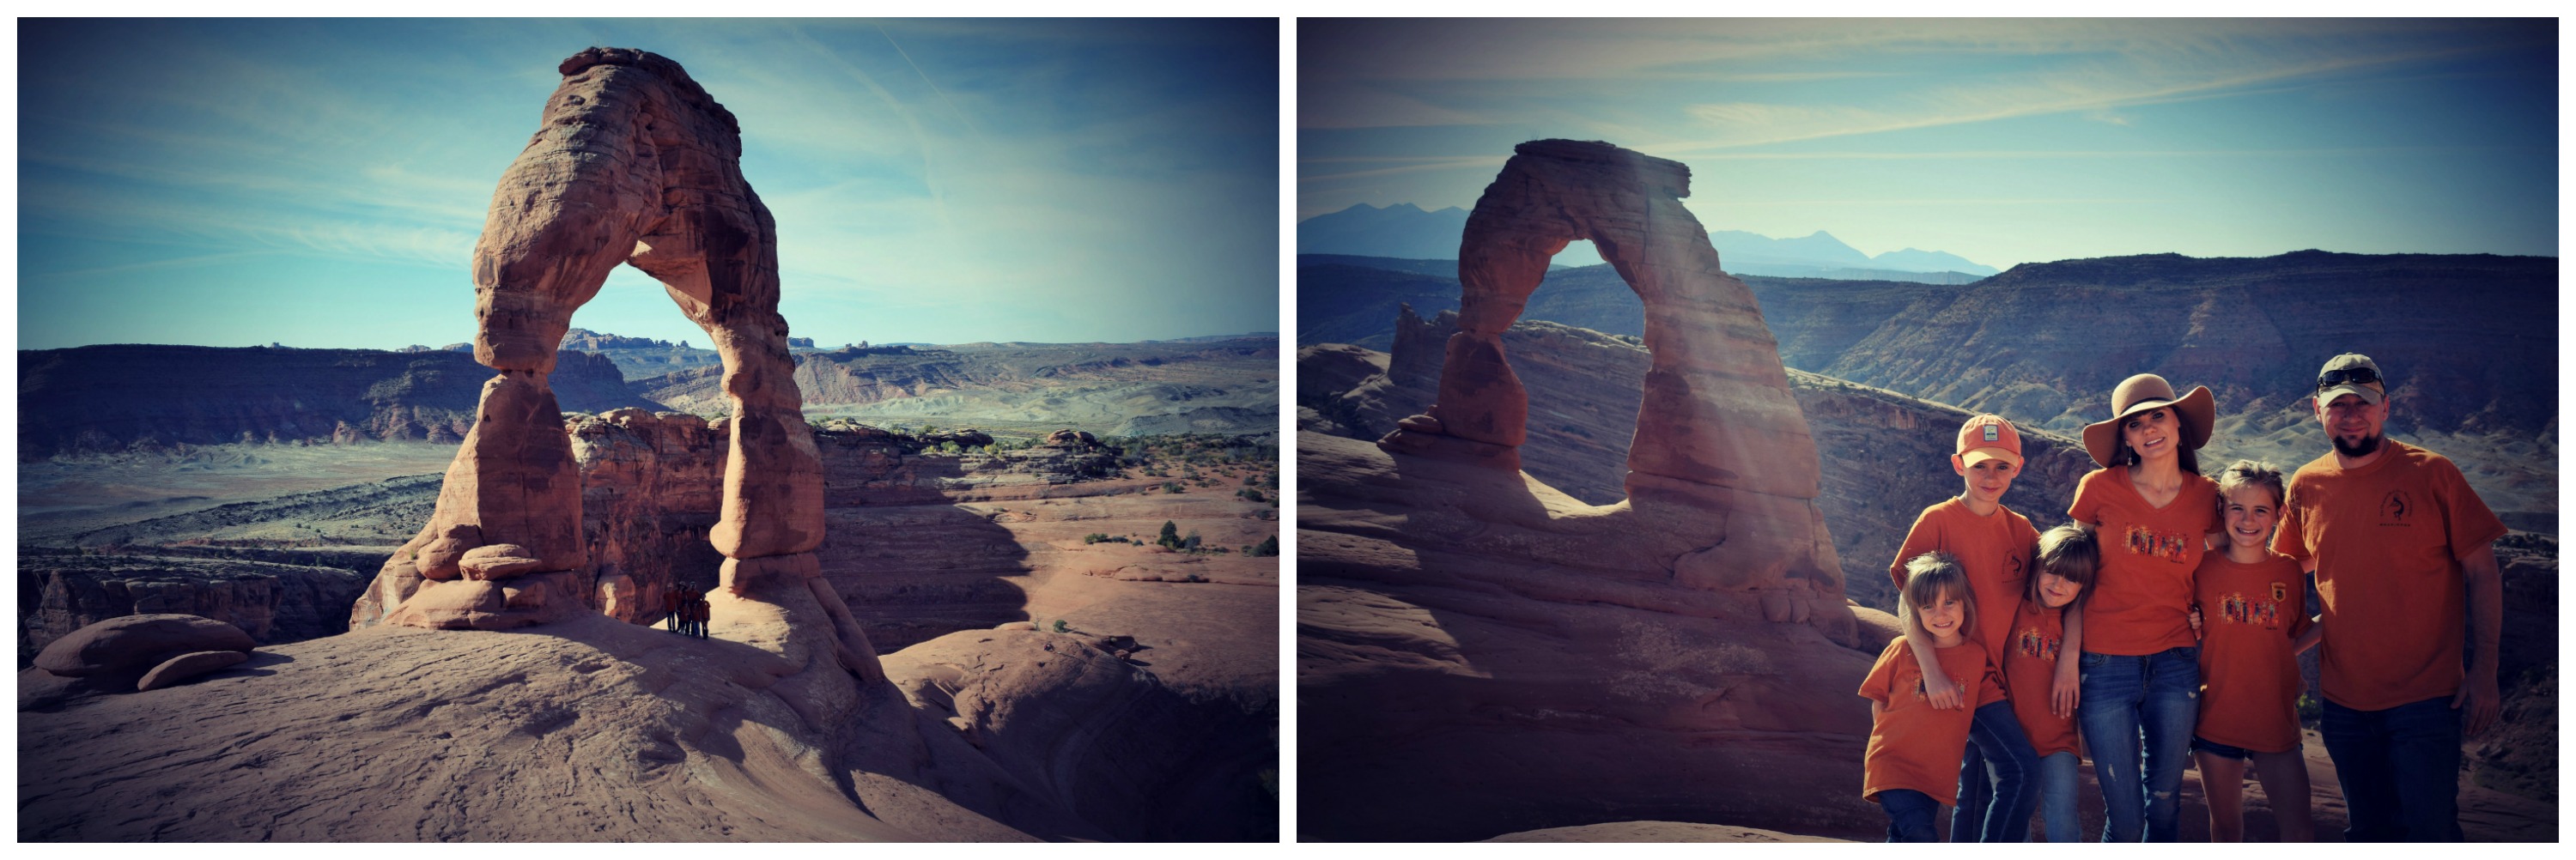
[(2240, 609), (2393, 509), (2165, 545), (2034, 643)]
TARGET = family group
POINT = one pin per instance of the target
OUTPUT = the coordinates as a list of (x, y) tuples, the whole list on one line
[(2163, 623)]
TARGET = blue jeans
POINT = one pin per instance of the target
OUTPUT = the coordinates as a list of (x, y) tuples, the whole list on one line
[(1909, 815), (2400, 770), (2058, 775), (2137, 715), (1998, 780)]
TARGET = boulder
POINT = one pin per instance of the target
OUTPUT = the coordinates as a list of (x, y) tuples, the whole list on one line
[(498, 561), (189, 666), (137, 642)]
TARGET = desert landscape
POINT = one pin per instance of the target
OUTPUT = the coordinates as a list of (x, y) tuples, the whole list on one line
[(1464, 597), (1037, 605)]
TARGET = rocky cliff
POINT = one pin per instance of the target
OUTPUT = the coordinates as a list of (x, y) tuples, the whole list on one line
[(107, 398), (1884, 455), (1221, 385), (2470, 341), (1474, 644), (60, 592)]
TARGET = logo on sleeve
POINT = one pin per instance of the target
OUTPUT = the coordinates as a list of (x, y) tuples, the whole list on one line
[(2394, 508)]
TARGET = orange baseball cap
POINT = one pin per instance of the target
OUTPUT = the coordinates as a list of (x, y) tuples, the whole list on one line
[(1988, 437)]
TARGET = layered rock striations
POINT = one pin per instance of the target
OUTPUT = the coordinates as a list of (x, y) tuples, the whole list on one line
[(1670, 655), (108, 398), (62, 592), (633, 164), (1884, 455)]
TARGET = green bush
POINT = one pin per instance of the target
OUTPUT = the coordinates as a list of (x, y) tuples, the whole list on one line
[(1061, 627), (1269, 546), (1171, 536)]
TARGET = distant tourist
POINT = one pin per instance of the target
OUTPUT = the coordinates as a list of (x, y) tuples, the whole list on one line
[(1992, 545), (671, 602), (1910, 766), (2069, 558), (2254, 602), (2137, 681), (2402, 550)]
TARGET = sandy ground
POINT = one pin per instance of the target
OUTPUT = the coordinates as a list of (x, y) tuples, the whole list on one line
[(2485, 815)]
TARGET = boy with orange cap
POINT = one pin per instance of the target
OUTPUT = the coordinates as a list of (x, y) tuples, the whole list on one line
[(1998, 785)]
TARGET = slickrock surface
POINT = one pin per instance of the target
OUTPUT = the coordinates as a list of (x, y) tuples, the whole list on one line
[(1657, 831), (595, 730)]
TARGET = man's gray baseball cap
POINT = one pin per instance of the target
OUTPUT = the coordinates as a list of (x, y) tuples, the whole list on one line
[(2351, 373)]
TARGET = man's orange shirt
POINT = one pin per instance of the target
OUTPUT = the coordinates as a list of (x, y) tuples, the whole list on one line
[(2141, 601), (2249, 676), (1995, 551), (2387, 538), (1912, 744), (2030, 666)]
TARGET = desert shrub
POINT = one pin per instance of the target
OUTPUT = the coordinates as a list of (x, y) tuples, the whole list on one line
[(1269, 546), (1191, 542), (1061, 627), (1094, 537), (1171, 536), (1171, 487)]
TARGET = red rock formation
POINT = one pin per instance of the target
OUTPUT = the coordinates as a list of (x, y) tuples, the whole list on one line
[(632, 163), (1481, 654), (1722, 477)]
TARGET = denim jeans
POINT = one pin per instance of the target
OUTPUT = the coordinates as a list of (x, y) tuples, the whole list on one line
[(1998, 780), (1909, 815), (2059, 773), (2137, 716), (2400, 770)]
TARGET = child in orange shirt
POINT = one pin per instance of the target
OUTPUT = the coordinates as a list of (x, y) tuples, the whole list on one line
[(1910, 768), (2069, 557), (1998, 775), (2253, 614)]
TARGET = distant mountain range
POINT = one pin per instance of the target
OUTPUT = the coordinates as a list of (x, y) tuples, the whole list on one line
[(2469, 340), (1406, 231), (99, 399)]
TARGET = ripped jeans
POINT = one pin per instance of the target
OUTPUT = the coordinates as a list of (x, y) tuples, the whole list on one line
[(2137, 715)]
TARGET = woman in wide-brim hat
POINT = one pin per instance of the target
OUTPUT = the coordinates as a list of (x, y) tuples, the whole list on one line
[(2136, 683)]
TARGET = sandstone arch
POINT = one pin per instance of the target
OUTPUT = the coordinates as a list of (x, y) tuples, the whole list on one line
[(1722, 475), (632, 163)]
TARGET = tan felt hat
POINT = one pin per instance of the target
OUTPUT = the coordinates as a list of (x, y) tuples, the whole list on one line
[(2143, 392)]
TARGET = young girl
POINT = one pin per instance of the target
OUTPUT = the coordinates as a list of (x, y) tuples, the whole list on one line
[(2068, 559), (1912, 764), (2253, 608)]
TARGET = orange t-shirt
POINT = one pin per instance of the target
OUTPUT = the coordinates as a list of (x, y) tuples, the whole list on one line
[(2141, 601), (1912, 744), (2030, 666), (1995, 551), (2387, 538), (2249, 677)]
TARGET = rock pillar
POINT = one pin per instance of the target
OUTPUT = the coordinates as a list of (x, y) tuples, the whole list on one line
[(632, 162)]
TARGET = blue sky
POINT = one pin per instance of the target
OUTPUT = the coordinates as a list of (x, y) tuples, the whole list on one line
[(322, 183), (2002, 141)]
